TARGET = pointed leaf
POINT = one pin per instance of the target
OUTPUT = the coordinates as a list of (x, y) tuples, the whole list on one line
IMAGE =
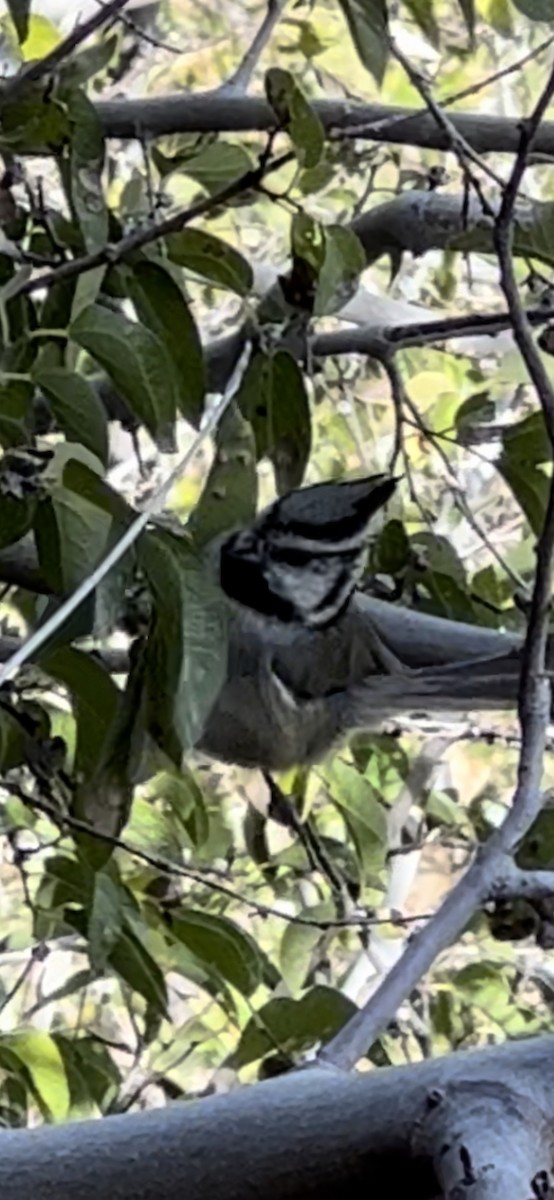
[(368, 25), (228, 500), (137, 362), (86, 164), (160, 305), (295, 115), (76, 408), (105, 920), (41, 1058), (224, 947), (210, 258), (187, 651)]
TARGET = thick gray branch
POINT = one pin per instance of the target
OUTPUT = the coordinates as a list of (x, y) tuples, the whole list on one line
[(304, 1135), (216, 112)]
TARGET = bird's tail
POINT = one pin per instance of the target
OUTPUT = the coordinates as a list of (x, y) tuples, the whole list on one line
[(476, 684)]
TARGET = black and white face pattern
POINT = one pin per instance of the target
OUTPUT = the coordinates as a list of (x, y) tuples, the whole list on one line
[(303, 557)]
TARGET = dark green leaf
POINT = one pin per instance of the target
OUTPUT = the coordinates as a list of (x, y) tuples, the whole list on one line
[(273, 398), (536, 10), (94, 696), (467, 8), (135, 964), (391, 551), (76, 408), (137, 362), (88, 62), (187, 652), (368, 25), (218, 164), (210, 258), (295, 115), (525, 448), (294, 1025), (16, 518), (86, 164), (185, 798), (423, 15), (228, 500), (13, 741), (105, 920), (19, 12), (224, 947), (342, 266), (161, 306)]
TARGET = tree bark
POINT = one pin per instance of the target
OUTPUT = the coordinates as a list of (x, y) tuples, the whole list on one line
[(306, 1135)]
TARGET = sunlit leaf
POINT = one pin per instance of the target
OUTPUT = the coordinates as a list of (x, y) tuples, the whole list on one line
[(40, 1056)]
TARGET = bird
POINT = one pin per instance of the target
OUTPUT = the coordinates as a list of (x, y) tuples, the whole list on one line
[(312, 659), (303, 557)]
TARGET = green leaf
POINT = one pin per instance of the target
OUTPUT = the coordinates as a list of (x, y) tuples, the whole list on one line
[(187, 650), (161, 306), (467, 9), (13, 741), (16, 518), (86, 164), (368, 25), (88, 62), (423, 15), (536, 10), (342, 266), (94, 697), (525, 448), (186, 800), (391, 550), (295, 115), (273, 398), (76, 408), (137, 362), (19, 12), (298, 944), (363, 814), (224, 947), (293, 1025), (71, 533), (217, 164), (228, 500), (40, 1056), (135, 965), (105, 920), (210, 258)]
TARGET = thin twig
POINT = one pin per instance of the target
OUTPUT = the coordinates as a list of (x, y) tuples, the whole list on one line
[(201, 877), (239, 81), (114, 253)]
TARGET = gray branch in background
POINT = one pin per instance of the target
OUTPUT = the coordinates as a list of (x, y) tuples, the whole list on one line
[(215, 112)]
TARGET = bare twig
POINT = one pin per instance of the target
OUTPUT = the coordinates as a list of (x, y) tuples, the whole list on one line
[(202, 877), (239, 81), (43, 66)]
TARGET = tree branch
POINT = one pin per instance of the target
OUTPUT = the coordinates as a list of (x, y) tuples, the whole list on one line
[(211, 112)]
